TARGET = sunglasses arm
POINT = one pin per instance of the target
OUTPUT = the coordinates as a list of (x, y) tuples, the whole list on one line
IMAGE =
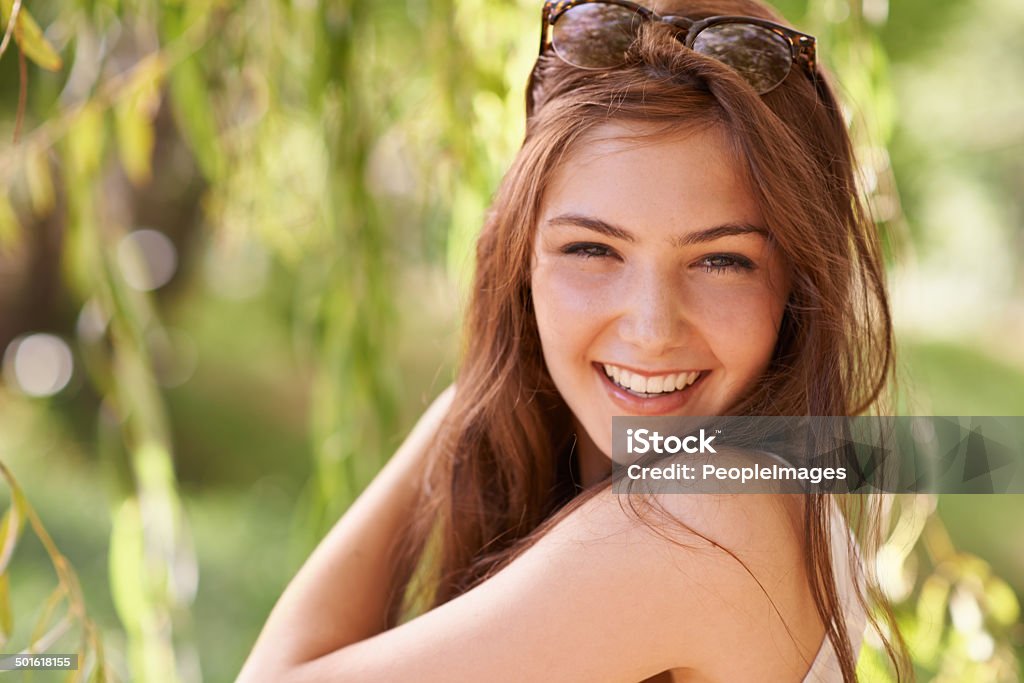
[(808, 50)]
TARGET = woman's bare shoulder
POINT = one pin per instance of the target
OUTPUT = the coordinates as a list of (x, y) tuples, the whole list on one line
[(728, 570), (605, 594)]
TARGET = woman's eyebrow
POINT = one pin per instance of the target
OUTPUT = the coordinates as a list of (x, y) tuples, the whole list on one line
[(689, 239), (717, 232), (591, 223)]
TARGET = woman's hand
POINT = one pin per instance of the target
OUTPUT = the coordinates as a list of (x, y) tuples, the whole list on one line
[(340, 595)]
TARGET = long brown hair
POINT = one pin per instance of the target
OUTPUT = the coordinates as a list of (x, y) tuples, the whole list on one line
[(501, 472)]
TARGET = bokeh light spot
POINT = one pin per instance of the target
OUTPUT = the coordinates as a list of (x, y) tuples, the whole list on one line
[(147, 258), (38, 365)]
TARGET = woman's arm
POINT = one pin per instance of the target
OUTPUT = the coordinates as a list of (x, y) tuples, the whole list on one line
[(340, 595), (599, 597)]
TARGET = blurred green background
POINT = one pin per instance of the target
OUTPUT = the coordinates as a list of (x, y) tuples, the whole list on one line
[(234, 242)]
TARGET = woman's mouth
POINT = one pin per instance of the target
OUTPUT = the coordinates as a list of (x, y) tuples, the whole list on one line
[(649, 393), (647, 386)]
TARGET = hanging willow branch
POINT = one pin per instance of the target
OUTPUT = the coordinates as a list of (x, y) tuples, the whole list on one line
[(68, 590)]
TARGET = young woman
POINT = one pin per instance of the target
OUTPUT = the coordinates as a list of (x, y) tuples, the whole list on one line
[(680, 234)]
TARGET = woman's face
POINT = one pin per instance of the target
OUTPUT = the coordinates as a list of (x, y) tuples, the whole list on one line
[(655, 284)]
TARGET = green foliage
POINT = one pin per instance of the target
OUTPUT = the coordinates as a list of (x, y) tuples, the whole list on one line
[(27, 35), (66, 597), (957, 617)]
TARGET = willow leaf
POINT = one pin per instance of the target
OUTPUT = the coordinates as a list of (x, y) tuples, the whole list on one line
[(133, 122), (10, 227), (6, 615), (30, 37), (40, 183), (126, 567), (10, 529), (190, 98)]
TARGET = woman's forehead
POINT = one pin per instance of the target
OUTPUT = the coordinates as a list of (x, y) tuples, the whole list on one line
[(668, 155), (629, 176)]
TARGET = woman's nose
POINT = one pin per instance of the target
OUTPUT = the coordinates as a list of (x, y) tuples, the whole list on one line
[(653, 319)]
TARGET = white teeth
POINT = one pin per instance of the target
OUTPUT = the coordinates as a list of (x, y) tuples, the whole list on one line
[(640, 384)]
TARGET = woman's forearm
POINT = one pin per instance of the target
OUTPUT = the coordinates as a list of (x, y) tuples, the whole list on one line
[(341, 594)]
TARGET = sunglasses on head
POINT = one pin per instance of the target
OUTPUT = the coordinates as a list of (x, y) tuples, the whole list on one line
[(597, 34)]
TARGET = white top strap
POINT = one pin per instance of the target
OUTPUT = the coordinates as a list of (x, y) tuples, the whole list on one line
[(825, 667)]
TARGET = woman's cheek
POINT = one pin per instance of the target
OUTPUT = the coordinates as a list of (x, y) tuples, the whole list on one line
[(741, 326), (564, 294)]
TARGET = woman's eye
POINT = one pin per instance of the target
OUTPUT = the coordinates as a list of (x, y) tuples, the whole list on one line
[(720, 263), (587, 250)]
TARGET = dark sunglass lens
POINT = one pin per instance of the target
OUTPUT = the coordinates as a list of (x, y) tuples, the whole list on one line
[(760, 55), (595, 35)]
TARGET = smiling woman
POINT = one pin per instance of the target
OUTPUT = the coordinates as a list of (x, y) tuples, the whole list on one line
[(680, 234), (692, 291)]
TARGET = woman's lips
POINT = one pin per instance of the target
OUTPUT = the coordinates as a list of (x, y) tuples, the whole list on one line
[(654, 405)]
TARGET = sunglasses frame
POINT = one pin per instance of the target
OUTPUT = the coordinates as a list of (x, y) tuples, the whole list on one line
[(803, 47)]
